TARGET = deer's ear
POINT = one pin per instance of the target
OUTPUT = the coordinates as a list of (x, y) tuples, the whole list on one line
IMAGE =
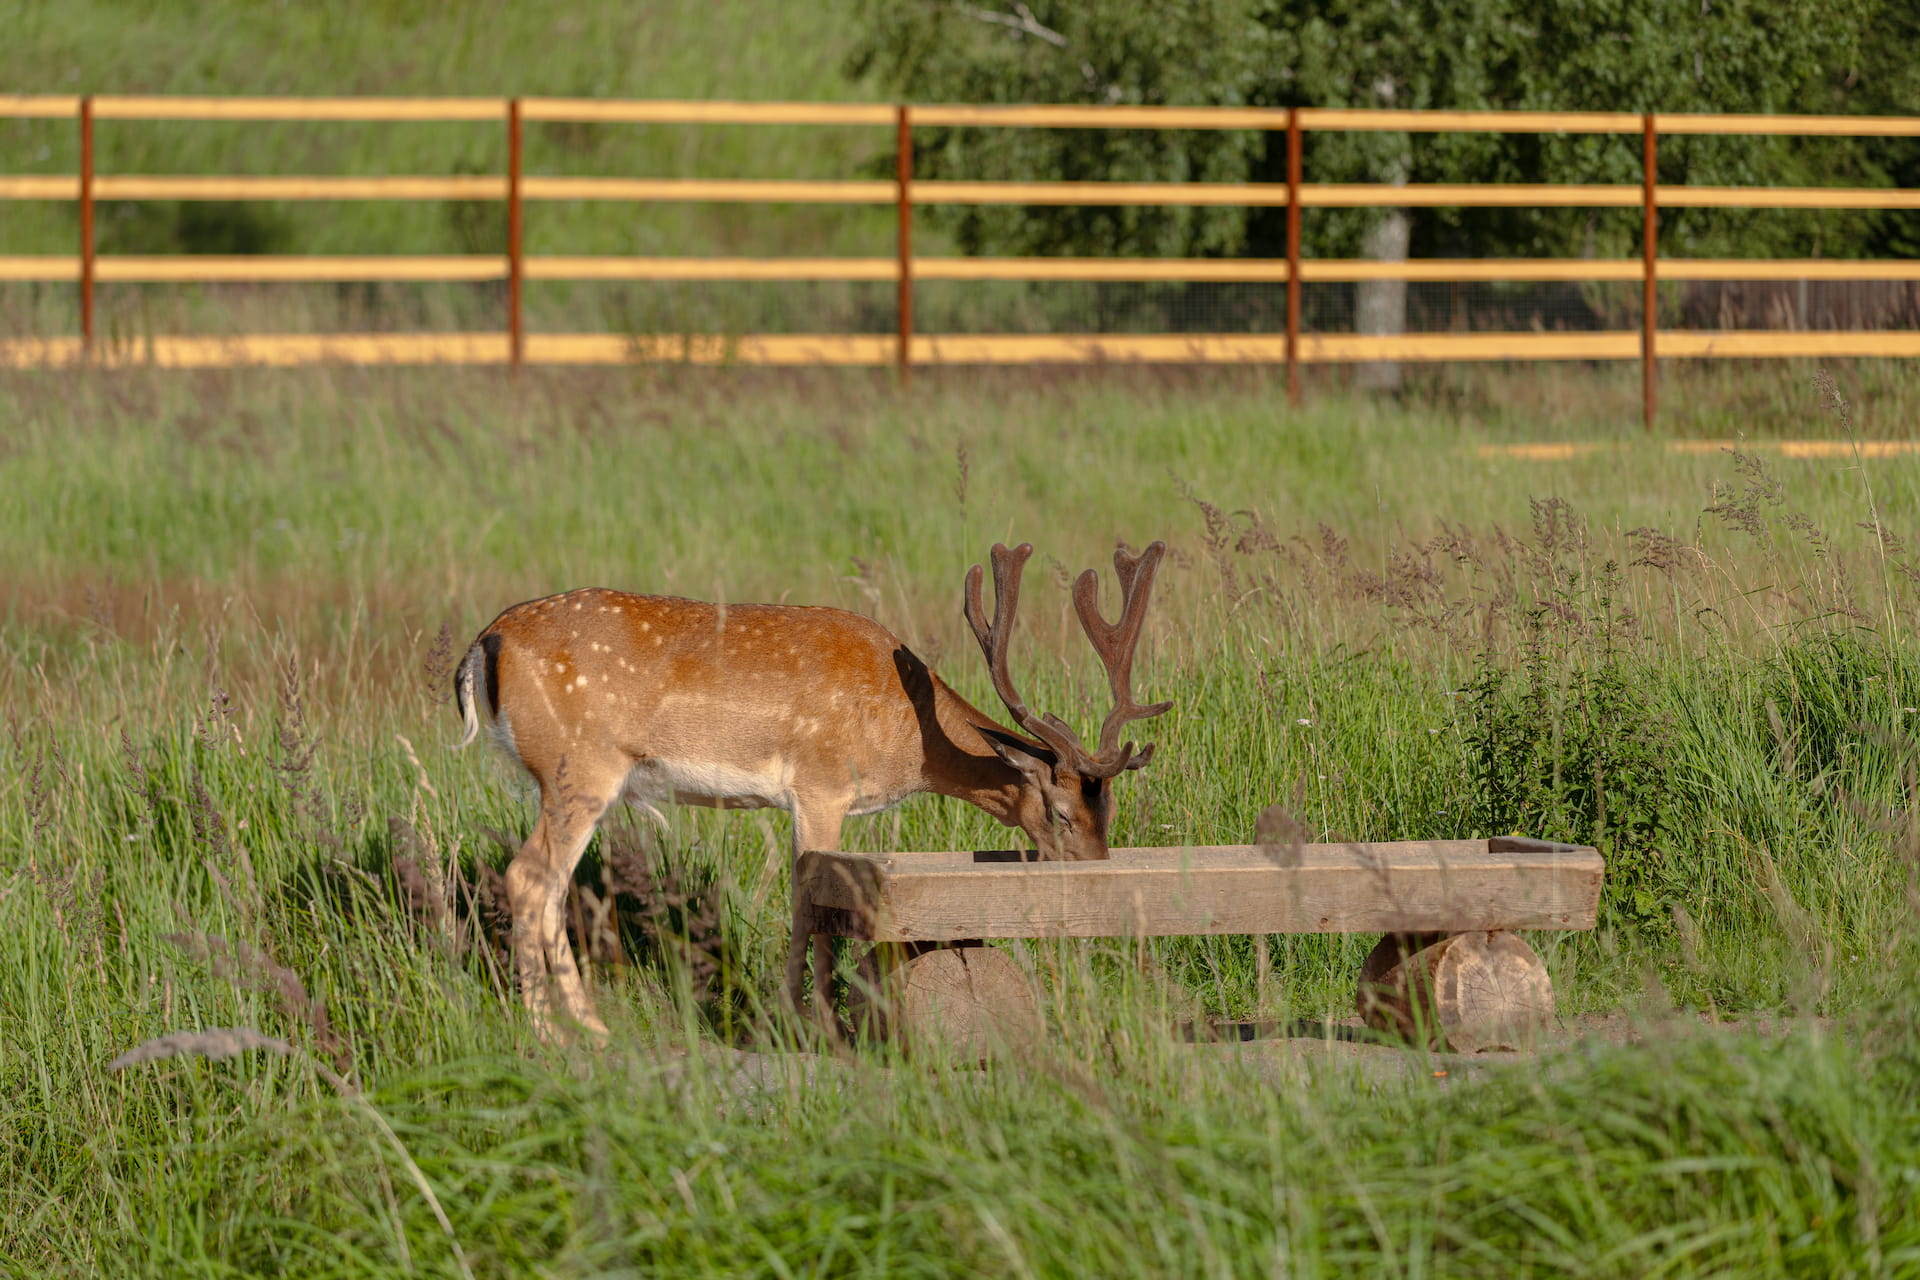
[(1030, 758)]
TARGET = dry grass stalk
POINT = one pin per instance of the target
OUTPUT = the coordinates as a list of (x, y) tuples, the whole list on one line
[(246, 965)]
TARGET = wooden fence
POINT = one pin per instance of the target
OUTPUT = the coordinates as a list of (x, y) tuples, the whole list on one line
[(907, 348)]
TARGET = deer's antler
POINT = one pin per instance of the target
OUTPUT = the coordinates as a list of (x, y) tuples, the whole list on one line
[(1007, 564), (1114, 642)]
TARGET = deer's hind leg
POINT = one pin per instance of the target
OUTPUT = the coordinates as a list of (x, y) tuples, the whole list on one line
[(537, 884)]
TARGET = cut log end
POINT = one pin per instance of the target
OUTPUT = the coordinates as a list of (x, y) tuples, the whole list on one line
[(1466, 993), (961, 1003)]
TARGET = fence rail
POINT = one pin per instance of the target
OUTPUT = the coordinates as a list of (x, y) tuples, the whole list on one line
[(906, 348)]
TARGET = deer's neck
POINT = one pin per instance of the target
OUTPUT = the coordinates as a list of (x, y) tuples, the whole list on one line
[(961, 764)]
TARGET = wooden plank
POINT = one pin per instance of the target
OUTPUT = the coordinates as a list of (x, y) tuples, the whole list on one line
[(219, 351), (703, 349), (40, 106), (972, 349), (1471, 121), (1447, 885), (197, 187), (1343, 348), (1231, 270), (1565, 450), (630, 111), (1792, 126), (559, 267), (712, 190), (1101, 193), (39, 187), (1787, 198), (192, 351), (212, 269), (40, 353), (1826, 343), (64, 267), (1438, 270), (195, 107), (1464, 270), (1113, 117), (197, 268), (784, 191), (1789, 269), (1470, 195), (1802, 448)]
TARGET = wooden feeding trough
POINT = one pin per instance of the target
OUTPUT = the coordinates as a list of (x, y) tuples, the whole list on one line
[(1451, 970)]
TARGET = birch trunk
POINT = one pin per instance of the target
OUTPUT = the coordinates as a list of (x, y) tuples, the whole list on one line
[(1380, 306)]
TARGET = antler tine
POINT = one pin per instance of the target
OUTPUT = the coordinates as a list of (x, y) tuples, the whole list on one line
[(1115, 643), (993, 639)]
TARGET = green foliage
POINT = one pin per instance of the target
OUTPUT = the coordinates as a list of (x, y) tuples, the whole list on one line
[(1199, 51), (1574, 753), (1757, 56), (192, 226)]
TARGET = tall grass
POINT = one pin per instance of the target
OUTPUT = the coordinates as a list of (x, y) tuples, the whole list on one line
[(232, 601)]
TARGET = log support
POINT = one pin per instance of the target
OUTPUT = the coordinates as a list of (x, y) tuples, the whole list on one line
[(1460, 993), (960, 1001)]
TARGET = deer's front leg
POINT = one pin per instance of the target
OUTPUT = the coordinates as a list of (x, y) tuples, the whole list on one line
[(815, 826)]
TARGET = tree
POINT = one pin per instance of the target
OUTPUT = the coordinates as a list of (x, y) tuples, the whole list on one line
[(1822, 56)]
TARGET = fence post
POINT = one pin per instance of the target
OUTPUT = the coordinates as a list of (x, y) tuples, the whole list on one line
[(1649, 254), (516, 262), (86, 224), (1293, 256), (903, 241)]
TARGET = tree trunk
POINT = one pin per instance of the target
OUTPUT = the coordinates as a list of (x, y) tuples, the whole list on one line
[(1380, 306)]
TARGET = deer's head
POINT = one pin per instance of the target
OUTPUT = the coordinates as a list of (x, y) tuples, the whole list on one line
[(1066, 798)]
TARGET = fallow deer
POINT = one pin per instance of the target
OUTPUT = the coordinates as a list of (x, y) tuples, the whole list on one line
[(602, 696)]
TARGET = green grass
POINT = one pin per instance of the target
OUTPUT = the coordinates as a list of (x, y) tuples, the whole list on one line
[(226, 717)]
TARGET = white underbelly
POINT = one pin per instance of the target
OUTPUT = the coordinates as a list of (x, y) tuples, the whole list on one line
[(655, 781)]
